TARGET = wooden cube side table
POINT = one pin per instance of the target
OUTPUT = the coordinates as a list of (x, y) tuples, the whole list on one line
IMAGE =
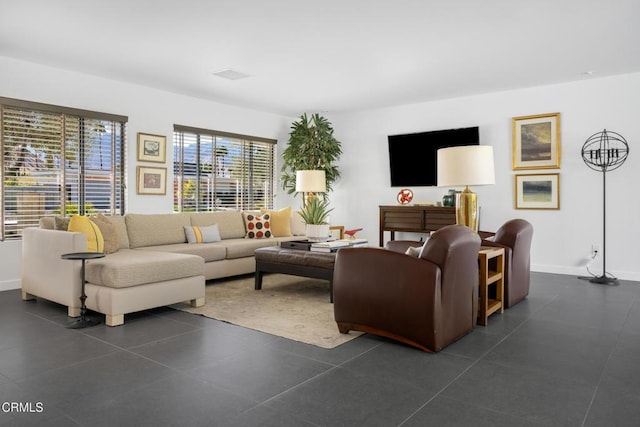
[(491, 264)]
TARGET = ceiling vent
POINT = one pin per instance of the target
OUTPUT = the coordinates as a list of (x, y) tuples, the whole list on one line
[(230, 74)]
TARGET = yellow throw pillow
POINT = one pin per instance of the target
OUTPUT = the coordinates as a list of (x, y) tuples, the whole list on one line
[(82, 224), (280, 221)]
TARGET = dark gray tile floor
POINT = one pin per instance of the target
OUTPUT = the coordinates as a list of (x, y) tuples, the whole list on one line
[(568, 355)]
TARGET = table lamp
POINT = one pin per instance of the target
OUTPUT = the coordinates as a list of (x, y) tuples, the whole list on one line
[(464, 166), (310, 182)]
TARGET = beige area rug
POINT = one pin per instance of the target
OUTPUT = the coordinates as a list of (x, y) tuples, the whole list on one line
[(292, 307)]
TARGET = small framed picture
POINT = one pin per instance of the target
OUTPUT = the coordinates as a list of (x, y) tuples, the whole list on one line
[(152, 148), (152, 180), (336, 231), (538, 191), (536, 141)]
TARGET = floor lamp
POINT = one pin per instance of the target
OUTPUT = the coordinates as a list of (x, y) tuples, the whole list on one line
[(604, 152), (464, 166)]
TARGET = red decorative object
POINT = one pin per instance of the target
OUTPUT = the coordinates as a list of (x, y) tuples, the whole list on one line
[(405, 196), (352, 233)]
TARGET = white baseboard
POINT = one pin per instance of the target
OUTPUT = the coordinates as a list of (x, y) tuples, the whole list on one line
[(582, 271), (9, 284)]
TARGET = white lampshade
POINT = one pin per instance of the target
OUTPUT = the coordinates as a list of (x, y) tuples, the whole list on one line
[(466, 165), (311, 181)]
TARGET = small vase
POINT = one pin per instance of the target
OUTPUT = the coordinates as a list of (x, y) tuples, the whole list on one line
[(449, 199)]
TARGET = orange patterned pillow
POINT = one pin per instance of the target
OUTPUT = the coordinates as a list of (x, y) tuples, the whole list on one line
[(258, 226)]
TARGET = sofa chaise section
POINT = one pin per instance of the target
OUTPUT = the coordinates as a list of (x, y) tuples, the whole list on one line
[(128, 281), (121, 283)]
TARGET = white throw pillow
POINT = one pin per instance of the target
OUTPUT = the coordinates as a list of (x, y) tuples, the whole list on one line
[(207, 234), (414, 251)]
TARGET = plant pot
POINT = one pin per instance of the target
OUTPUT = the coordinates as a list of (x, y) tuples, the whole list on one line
[(318, 232)]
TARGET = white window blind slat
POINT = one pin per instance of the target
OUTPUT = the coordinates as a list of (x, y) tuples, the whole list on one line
[(216, 171), (56, 163)]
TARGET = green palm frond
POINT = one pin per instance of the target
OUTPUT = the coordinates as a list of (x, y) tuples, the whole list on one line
[(312, 146)]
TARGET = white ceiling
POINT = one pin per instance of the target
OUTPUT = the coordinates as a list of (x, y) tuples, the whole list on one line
[(327, 55)]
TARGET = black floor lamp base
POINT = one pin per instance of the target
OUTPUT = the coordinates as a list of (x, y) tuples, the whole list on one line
[(604, 280), (83, 322), (601, 280)]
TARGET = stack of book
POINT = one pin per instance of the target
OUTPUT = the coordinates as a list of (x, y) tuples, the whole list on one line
[(357, 242), (334, 245)]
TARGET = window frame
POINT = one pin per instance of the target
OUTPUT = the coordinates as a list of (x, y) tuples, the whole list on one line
[(249, 199), (117, 169)]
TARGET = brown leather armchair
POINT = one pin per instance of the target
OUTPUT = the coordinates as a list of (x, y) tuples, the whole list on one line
[(515, 237), (426, 302)]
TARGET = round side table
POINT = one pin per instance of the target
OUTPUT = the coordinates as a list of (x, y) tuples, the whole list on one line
[(83, 321)]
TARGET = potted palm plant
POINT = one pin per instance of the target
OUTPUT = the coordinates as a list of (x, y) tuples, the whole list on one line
[(312, 146), (315, 214)]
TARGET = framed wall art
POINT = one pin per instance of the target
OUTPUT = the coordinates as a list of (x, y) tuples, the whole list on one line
[(152, 180), (538, 191), (336, 231), (152, 148), (536, 141)]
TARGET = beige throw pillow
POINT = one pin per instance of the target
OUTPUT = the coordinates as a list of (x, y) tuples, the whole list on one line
[(61, 223), (109, 233)]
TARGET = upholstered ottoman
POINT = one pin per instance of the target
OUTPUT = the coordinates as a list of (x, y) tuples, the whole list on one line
[(131, 280), (274, 259)]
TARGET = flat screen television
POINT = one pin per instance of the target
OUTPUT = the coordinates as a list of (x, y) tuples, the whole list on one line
[(413, 159)]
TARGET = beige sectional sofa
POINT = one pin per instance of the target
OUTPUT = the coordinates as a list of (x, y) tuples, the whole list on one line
[(154, 265)]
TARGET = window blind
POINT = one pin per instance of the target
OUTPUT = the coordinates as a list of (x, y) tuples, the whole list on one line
[(216, 170), (58, 161)]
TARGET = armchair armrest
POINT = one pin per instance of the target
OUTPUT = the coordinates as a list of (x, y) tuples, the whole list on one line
[(44, 274)]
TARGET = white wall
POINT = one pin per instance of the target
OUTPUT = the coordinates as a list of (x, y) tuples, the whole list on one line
[(562, 238), (149, 110)]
